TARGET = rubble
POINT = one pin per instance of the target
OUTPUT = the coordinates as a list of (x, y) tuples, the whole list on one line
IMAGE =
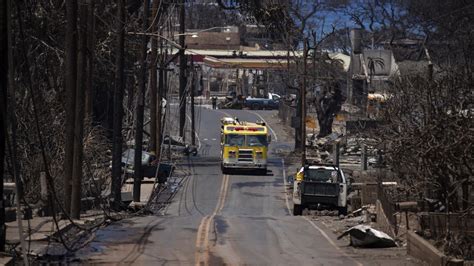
[(365, 236)]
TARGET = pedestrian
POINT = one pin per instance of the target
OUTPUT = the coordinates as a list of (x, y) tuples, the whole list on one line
[(214, 102)]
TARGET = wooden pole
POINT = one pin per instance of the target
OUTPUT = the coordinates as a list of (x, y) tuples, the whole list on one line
[(336, 153), (193, 126), (153, 80), (89, 100), (182, 70), (137, 168), (79, 118), (303, 103), (159, 108), (363, 160), (70, 82), (3, 111), (118, 108)]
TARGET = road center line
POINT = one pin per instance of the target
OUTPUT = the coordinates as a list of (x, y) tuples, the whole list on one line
[(202, 239)]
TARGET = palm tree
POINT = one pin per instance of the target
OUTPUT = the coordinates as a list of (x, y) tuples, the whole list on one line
[(371, 64)]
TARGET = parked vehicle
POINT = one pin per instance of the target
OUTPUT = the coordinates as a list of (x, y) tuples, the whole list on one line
[(231, 102), (270, 102), (148, 165), (176, 144), (320, 185)]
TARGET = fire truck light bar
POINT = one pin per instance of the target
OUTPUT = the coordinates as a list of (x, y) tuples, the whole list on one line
[(245, 128)]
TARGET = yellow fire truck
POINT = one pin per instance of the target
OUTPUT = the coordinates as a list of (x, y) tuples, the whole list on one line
[(244, 145)]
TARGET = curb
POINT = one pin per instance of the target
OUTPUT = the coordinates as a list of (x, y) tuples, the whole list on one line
[(424, 251)]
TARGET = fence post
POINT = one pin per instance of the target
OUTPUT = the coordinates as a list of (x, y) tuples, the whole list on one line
[(336, 153), (43, 187), (363, 160)]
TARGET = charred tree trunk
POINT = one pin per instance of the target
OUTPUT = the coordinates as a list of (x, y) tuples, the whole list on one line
[(327, 107), (138, 169), (80, 108), (70, 84), (118, 108), (89, 101)]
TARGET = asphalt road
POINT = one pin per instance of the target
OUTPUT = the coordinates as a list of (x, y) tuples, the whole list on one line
[(216, 219)]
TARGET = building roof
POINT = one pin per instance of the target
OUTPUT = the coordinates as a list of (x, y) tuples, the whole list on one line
[(250, 63), (255, 59)]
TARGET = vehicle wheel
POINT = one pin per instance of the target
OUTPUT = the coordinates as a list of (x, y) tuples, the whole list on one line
[(262, 171), (342, 210), (255, 106), (297, 209)]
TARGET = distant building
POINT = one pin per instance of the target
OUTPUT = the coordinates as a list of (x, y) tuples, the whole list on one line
[(260, 38), (371, 70), (222, 38), (249, 37)]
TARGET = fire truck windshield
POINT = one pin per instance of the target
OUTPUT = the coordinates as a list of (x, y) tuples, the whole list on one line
[(242, 140), (256, 140), (234, 140)]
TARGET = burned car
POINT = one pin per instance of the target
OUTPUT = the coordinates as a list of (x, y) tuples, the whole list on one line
[(149, 165), (176, 144)]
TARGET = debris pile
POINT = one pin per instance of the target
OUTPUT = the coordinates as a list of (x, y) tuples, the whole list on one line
[(365, 236)]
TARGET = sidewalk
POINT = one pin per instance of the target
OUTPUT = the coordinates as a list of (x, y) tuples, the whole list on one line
[(43, 238)]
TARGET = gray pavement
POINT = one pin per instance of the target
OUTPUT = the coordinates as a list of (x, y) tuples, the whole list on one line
[(224, 219)]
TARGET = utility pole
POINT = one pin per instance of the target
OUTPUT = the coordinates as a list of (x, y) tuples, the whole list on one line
[(182, 70), (118, 108), (303, 103), (70, 82), (159, 112), (153, 95), (298, 104), (298, 126), (137, 168), (10, 115), (89, 101), (153, 79), (80, 109), (13, 126), (193, 127), (3, 111)]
